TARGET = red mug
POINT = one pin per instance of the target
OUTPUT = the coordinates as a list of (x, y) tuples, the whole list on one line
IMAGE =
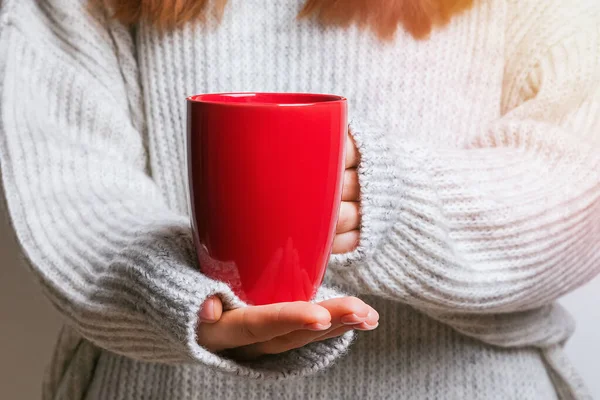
[(265, 177)]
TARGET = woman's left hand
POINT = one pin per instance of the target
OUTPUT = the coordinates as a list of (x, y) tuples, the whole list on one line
[(348, 226)]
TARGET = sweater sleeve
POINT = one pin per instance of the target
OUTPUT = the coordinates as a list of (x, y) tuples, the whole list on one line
[(507, 222), (112, 257)]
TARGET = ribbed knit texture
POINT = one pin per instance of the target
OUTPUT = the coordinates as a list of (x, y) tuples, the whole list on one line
[(480, 195)]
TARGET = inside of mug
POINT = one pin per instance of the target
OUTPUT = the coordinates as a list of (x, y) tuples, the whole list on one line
[(266, 98)]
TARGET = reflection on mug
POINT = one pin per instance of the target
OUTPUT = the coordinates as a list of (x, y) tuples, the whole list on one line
[(224, 271), (282, 279)]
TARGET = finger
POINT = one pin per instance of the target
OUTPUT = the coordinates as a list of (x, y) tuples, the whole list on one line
[(211, 310), (250, 325), (351, 190), (366, 327), (371, 323), (294, 340), (352, 155), (344, 311), (345, 242), (299, 339), (339, 308), (334, 333), (280, 344), (349, 218), (347, 310)]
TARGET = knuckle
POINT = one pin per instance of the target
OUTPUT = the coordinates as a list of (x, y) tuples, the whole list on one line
[(278, 312), (349, 217), (352, 176), (349, 210), (350, 184), (245, 329), (347, 183), (338, 245), (343, 218), (355, 211)]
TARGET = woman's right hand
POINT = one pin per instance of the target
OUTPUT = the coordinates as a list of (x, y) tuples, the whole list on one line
[(252, 331)]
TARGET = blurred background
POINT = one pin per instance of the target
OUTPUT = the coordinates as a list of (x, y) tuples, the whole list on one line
[(28, 326)]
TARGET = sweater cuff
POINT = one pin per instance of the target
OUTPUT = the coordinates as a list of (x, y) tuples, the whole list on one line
[(379, 193), (162, 274)]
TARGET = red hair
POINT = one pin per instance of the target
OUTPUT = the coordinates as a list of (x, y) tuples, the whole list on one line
[(383, 17)]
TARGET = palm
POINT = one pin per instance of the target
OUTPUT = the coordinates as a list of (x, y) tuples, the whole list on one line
[(256, 330)]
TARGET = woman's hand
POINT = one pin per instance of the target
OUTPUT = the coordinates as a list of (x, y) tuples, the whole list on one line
[(252, 331), (347, 230)]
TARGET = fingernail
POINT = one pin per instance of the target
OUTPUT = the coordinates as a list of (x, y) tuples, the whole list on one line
[(207, 314), (352, 319), (367, 327), (317, 327)]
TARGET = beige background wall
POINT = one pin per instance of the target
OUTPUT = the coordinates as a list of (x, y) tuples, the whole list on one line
[(28, 326)]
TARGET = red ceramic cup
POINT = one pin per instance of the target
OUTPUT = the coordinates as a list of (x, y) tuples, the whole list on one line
[(266, 173)]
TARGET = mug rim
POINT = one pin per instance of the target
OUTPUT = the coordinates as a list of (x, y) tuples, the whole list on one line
[(311, 99)]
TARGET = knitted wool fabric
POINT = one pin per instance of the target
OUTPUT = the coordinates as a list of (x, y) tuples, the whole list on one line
[(480, 195)]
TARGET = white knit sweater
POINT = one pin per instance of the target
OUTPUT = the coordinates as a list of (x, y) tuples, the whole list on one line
[(480, 187)]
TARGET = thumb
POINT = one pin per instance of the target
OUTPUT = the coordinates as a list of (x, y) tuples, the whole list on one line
[(211, 310)]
